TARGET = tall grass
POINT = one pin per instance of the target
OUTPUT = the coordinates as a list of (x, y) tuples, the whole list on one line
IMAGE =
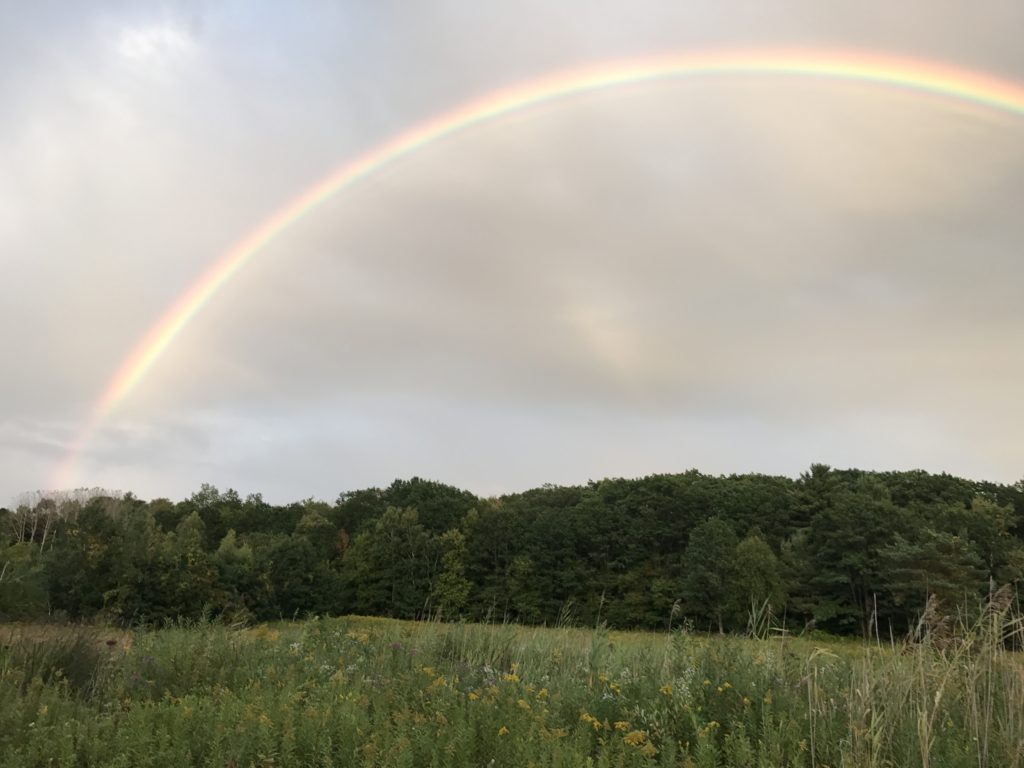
[(374, 692)]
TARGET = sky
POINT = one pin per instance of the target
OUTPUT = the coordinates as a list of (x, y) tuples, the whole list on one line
[(736, 274)]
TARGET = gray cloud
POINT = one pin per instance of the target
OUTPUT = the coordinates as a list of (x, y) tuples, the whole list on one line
[(738, 274)]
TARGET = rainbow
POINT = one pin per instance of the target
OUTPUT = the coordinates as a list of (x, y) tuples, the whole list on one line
[(922, 76)]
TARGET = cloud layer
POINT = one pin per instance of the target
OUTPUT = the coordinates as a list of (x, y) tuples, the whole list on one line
[(737, 275)]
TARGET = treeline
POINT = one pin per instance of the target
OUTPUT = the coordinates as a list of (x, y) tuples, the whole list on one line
[(854, 551)]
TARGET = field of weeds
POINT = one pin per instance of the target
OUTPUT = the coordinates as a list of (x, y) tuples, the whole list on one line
[(374, 692)]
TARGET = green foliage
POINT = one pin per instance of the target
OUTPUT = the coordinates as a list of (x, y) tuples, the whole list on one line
[(23, 590), (857, 552), (757, 580), (375, 692), (451, 587), (389, 569), (710, 572)]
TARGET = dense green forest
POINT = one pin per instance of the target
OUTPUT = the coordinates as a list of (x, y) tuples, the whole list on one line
[(856, 552)]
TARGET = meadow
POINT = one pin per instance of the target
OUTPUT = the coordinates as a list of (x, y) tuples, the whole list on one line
[(378, 692)]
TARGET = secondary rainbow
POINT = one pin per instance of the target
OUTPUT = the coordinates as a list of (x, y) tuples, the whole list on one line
[(923, 76)]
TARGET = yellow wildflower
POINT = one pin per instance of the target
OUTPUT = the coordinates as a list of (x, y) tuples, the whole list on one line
[(727, 685), (635, 738), (502, 731), (473, 696), (523, 704), (666, 690), (542, 693), (512, 677), (648, 750), (621, 725), (706, 682)]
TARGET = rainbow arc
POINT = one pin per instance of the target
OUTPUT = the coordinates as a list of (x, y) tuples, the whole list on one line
[(912, 75)]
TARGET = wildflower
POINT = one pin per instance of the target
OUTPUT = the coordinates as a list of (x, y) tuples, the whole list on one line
[(727, 685), (473, 696), (429, 671), (523, 704), (666, 690), (648, 750), (602, 678), (803, 745), (439, 682), (502, 731), (706, 682), (635, 738), (588, 718), (542, 694), (746, 702), (621, 725), (511, 677), (720, 689)]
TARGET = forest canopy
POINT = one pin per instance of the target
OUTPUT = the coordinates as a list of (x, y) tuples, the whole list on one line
[(856, 552)]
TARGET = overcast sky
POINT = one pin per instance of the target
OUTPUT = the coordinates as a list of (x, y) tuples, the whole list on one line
[(736, 274)]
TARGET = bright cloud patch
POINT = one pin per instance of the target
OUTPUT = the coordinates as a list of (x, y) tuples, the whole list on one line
[(153, 42)]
